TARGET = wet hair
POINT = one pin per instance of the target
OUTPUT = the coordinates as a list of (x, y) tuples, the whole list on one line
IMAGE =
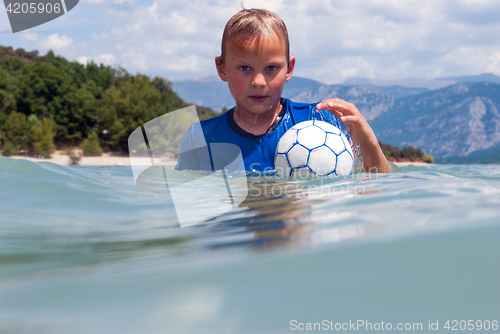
[(250, 25)]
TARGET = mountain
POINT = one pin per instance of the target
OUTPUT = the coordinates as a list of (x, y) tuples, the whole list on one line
[(296, 85), (452, 121), (485, 77), (369, 100), (488, 156), (429, 84), (408, 82), (211, 91), (459, 122)]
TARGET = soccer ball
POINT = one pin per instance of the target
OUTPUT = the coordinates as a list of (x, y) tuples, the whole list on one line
[(313, 147)]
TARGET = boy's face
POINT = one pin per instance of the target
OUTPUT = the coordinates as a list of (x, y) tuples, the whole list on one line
[(256, 74)]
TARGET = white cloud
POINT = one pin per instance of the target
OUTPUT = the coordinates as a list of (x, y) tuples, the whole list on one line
[(387, 39), (54, 42), (274, 6), (84, 60), (95, 2), (179, 38), (331, 40), (61, 45), (105, 59), (101, 36), (29, 36)]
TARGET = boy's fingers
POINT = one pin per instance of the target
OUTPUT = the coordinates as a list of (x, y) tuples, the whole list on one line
[(336, 112), (325, 103), (328, 104), (349, 119), (337, 105)]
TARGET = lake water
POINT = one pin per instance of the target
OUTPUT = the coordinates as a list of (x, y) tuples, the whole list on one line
[(84, 250)]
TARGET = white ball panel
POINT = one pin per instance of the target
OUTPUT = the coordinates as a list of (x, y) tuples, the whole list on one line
[(297, 156), (311, 137), (335, 142), (322, 161), (302, 125), (344, 164), (327, 127), (287, 141)]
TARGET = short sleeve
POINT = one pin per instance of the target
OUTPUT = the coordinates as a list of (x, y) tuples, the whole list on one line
[(194, 154)]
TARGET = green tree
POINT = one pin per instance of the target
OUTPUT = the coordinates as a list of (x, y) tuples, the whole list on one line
[(33, 122), (80, 99), (90, 145), (126, 107), (15, 131), (206, 113), (169, 99), (428, 158), (56, 88), (7, 92), (8, 149), (43, 137)]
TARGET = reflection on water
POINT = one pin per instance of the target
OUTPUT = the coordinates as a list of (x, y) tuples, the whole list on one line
[(90, 234), (65, 216)]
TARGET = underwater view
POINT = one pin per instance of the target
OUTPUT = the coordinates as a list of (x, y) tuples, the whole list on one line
[(86, 250)]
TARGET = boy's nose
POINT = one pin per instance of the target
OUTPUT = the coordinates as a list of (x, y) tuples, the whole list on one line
[(259, 80)]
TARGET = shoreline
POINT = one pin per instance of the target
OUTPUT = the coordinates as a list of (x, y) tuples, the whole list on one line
[(414, 163), (60, 157)]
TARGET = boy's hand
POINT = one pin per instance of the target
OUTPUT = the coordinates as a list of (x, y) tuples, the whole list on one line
[(361, 133)]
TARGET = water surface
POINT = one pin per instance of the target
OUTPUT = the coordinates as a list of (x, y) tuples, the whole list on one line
[(84, 250)]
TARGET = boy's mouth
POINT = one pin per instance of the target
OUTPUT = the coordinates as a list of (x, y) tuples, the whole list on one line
[(258, 98)]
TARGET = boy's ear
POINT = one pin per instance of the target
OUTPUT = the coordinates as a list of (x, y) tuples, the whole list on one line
[(221, 69), (289, 70)]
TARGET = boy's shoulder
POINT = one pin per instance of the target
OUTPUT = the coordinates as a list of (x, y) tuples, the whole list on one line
[(299, 111), (299, 105), (214, 123), (216, 128)]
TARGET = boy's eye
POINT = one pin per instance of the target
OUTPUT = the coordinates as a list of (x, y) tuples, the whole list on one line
[(245, 68), (272, 68)]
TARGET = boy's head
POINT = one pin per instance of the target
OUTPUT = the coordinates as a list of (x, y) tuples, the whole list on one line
[(250, 26), (255, 61)]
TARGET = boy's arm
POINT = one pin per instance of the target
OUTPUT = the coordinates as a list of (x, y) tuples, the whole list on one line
[(361, 133)]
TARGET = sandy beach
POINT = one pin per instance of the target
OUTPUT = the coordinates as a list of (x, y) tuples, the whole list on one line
[(107, 159), (111, 159)]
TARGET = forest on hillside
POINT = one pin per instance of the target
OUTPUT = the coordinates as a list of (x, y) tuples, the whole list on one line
[(48, 101)]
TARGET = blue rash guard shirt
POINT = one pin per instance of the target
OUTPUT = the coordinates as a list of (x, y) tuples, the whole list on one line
[(257, 151)]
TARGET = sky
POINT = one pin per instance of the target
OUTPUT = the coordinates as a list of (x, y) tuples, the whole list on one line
[(331, 40)]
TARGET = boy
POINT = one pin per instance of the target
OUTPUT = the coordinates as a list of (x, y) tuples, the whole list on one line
[(255, 62)]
